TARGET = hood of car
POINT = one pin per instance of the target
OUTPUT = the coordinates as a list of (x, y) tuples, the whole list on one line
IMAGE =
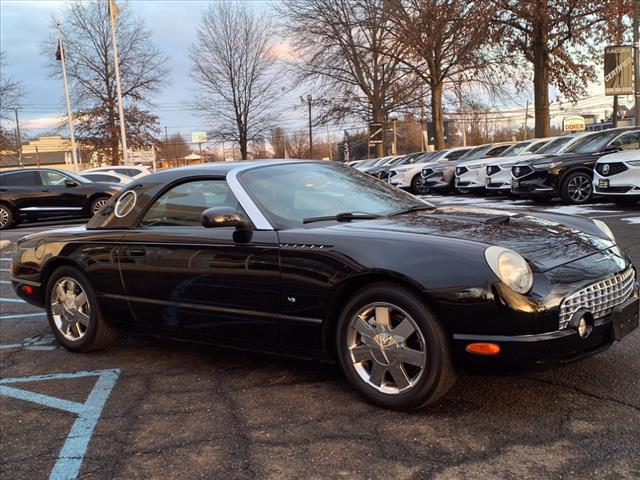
[(513, 159), (546, 241), (477, 163)]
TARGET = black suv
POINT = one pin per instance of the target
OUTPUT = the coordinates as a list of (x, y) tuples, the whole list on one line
[(43, 193), (570, 174)]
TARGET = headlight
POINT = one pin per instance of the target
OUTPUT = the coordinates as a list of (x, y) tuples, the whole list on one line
[(546, 166), (511, 268), (604, 228)]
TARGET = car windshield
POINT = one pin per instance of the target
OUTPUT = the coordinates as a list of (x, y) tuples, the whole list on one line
[(516, 149), (554, 146), (290, 193), (593, 143), (419, 158), (476, 153)]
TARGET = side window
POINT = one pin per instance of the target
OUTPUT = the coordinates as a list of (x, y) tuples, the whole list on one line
[(628, 141), (456, 155), (184, 203), (20, 179), (50, 178), (129, 172), (494, 152)]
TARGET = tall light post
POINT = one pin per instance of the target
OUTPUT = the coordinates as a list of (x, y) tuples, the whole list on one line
[(308, 102), (636, 59)]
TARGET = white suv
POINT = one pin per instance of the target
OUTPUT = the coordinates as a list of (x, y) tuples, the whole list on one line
[(133, 171), (618, 176)]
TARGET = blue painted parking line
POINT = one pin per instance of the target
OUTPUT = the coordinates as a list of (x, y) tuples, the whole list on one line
[(13, 316), (69, 460)]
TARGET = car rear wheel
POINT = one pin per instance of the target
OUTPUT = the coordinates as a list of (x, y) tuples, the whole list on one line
[(98, 203), (6, 217), (73, 312), (392, 350), (577, 188), (418, 186)]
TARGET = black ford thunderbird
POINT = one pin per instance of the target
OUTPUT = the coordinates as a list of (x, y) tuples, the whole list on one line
[(317, 260)]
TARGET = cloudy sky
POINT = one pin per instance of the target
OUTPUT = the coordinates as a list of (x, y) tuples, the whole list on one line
[(24, 23)]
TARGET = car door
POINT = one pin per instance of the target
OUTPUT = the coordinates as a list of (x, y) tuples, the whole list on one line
[(201, 282), (22, 189), (60, 194)]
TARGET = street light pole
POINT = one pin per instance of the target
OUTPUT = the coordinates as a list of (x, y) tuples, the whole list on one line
[(636, 58)]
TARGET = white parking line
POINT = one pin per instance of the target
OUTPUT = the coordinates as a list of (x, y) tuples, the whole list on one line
[(5, 282), (5, 259), (22, 315), (4, 270), (12, 300)]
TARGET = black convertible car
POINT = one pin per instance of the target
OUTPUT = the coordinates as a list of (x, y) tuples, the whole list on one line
[(317, 260)]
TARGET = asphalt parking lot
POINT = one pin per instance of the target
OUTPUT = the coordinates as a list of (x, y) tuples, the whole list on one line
[(149, 408)]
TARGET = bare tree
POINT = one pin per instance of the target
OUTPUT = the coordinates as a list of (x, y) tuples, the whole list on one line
[(558, 39), (298, 144), (346, 47), (446, 41), (11, 92), (234, 65), (278, 142), (174, 147), (90, 68)]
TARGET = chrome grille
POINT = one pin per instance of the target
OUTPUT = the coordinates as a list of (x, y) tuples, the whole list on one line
[(598, 298)]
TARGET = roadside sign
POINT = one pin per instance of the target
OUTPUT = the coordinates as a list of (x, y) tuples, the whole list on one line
[(375, 133), (199, 137), (618, 70), (575, 123)]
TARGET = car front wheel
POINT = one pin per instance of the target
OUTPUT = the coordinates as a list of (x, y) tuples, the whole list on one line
[(98, 203), (392, 349), (418, 186), (73, 313), (6, 217), (577, 188)]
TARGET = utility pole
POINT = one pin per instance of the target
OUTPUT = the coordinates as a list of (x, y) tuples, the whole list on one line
[(395, 137), (113, 13), (18, 138), (526, 120), (636, 58), (309, 99), (166, 135), (74, 154), (329, 143)]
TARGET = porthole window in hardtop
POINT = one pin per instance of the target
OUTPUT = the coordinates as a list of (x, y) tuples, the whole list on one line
[(125, 204), (183, 204)]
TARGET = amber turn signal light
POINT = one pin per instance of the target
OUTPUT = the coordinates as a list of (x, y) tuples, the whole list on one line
[(483, 348)]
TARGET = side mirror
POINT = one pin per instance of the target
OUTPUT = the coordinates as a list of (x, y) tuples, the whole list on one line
[(224, 217), (612, 149), (70, 183)]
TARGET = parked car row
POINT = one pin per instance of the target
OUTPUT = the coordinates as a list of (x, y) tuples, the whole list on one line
[(573, 167), (46, 193)]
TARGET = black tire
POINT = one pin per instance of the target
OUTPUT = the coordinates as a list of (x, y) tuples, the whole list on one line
[(7, 219), (99, 334), (438, 375), (97, 203), (417, 185), (577, 188)]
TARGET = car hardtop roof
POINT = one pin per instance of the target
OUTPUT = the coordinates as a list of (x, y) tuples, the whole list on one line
[(218, 168), (31, 169)]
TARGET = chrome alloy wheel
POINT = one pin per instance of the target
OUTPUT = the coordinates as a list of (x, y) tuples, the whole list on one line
[(70, 309), (386, 347), (98, 204), (4, 217), (579, 188)]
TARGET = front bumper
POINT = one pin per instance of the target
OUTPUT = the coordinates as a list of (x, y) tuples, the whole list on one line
[(526, 352), (500, 180), (626, 183), (536, 183), (472, 179), (402, 179)]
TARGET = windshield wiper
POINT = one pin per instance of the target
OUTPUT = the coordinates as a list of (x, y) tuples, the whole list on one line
[(342, 217), (415, 208)]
